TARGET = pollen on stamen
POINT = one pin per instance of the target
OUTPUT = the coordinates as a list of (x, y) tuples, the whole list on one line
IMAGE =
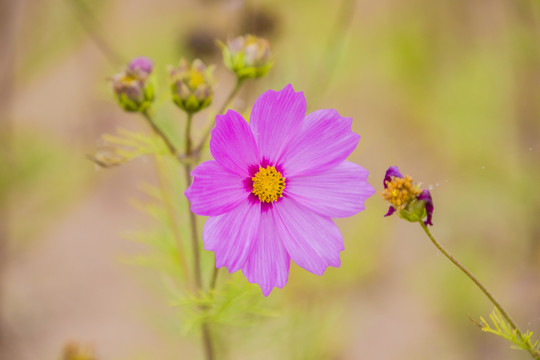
[(400, 191), (268, 184)]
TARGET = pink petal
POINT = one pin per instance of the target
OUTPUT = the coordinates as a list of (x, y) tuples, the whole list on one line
[(268, 263), (215, 190), (231, 235), (338, 192), (232, 143), (313, 241), (325, 140), (275, 118)]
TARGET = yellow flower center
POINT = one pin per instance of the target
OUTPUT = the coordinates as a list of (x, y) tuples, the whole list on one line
[(129, 79), (400, 192), (195, 78), (268, 184)]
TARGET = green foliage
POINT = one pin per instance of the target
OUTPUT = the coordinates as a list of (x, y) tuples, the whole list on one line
[(504, 330), (126, 146), (165, 241), (236, 303)]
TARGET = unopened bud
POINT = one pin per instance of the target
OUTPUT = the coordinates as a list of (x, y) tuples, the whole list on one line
[(192, 86), (248, 56), (132, 87), (142, 66)]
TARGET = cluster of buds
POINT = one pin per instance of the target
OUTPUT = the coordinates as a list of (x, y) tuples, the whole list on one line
[(247, 56), (192, 86), (132, 87), (408, 200)]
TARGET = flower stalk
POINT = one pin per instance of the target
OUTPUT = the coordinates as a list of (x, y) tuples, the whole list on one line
[(206, 135), (207, 337), (163, 187), (171, 214), (160, 133), (213, 282), (471, 276), (192, 216), (232, 94)]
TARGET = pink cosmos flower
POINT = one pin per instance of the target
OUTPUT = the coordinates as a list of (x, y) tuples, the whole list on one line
[(274, 186)]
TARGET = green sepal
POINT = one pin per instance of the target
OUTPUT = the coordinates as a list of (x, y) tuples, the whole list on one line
[(191, 104), (414, 212), (126, 103), (149, 92)]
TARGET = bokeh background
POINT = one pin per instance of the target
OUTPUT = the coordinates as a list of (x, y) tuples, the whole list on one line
[(447, 90)]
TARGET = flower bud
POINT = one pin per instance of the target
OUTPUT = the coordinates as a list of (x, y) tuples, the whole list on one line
[(248, 56), (192, 86), (411, 203), (132, 87), (142, 66)]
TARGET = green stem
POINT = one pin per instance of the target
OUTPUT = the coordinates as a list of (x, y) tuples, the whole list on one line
[(334, 48), (192, 216), (208, 130), (231, 96), (480, 285), (87, 19), (171, 213), (160, 133), (215, 276), (162, 184), (207, 336)]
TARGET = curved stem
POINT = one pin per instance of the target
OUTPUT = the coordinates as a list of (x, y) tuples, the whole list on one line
[(160, 133), (334, 48), (231, 96), (479, 284), (88, 21), (208, 130), (207, 336)]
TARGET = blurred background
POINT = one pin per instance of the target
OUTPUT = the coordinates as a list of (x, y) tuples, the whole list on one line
[(449, 91)]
